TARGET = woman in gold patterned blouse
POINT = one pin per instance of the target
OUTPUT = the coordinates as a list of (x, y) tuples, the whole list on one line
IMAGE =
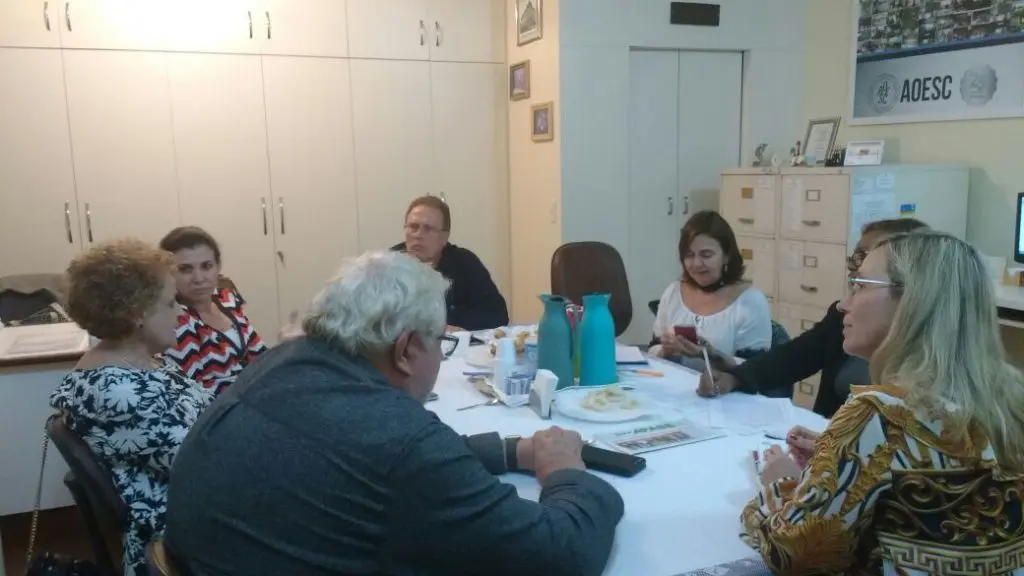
[(922, 473)]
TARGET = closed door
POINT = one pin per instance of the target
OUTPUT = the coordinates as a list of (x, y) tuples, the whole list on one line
[(221, 143), (312, 173), (220, 26), (123, 143), (38, 209), (759, 262), (304, 27), (467, 30), (470, 135), (114, 24), (684, 129), (390, 29), (393, 145), (29, 24)]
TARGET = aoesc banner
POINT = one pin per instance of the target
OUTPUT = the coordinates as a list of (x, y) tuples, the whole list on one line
[(925, 60)]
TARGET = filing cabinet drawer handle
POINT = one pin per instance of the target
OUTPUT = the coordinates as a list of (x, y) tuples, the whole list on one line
[(812, 223), (806, 388), (747, 221), (809, 289), (806, 325)]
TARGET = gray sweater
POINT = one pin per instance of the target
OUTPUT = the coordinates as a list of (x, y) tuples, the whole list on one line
[(312, 463)]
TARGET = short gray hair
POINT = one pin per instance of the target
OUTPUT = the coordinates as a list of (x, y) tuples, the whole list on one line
[(373, 299)]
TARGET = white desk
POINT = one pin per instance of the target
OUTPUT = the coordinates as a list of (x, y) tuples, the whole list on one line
[(1011, 297), (682, 513)]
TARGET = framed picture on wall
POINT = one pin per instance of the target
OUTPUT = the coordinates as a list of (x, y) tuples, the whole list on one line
[(542, 119), (529, 21), (820, 138), (519, 81)]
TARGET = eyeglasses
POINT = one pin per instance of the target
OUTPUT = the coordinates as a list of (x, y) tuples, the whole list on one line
[(448, 345), (426, 229), (858, 284)]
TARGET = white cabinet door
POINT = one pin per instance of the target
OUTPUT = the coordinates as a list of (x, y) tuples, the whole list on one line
[(391, 120), (389, 29), (113, 24), (29, 23), (467, 30), (38, 211), (216, 26), (470, 150), (312, 174), (123, 143), (304, 28), (221, 143)]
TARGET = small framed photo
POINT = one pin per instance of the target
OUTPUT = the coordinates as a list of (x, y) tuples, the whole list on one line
[(519, 81), (864, 153), (820, 138), (529, 21), (542, 120)]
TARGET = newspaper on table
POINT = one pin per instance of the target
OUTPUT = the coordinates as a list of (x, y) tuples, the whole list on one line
[(656, 436)]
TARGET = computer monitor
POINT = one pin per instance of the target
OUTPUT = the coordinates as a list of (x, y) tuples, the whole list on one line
[(1018, 232)]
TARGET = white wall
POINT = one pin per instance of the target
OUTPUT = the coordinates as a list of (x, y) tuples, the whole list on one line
[(596, 37)]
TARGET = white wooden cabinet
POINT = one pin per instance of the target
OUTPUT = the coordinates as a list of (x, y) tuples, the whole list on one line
[(304, 28), (388, 29), (29, 24), (471, 160), (222, 168), (220, 26), (38, 209), (393, 145), (467, 30), (312, 172), (123, 143), (113, 24)]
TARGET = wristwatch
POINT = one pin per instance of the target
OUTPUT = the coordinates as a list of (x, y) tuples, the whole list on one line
[(511, 459)]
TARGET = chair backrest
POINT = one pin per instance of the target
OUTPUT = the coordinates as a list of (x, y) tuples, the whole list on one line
[(159, 561), (580, 268), (91, 474)]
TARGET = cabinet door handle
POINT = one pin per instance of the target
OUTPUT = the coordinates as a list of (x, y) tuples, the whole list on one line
[(67, 15), (67, 222), (88, 222), (747, 221), (263, 207), (280, 208), (671, 205), (268, 24), (809, 289), (423, 34), (438, 34), (249, 14), (46, 15), (812, 223), (443, 199), (686, 205)]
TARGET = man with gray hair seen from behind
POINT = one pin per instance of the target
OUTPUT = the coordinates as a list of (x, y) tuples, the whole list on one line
[(321, 458)]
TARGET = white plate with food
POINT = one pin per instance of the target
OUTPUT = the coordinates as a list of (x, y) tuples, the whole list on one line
[(605, 404), (482, 356)]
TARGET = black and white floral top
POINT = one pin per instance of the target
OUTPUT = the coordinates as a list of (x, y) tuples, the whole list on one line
[(134, 420)]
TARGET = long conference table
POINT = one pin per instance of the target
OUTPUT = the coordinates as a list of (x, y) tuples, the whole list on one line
[(682, 512)]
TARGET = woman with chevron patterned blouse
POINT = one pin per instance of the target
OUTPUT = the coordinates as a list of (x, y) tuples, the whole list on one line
[(215, 339), (923, 472)]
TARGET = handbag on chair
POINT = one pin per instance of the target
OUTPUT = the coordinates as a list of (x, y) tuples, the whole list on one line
[(47, 564)]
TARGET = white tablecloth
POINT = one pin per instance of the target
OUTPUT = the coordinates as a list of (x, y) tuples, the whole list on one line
[(682, 512)]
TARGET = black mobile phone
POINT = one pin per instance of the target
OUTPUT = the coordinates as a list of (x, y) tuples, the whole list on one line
[(612, 462)]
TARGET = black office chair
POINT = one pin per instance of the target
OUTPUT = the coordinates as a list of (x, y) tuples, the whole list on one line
[(98, 501), (581, 268)]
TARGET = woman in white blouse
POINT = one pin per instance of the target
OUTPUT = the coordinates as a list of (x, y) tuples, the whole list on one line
[(726, 314)]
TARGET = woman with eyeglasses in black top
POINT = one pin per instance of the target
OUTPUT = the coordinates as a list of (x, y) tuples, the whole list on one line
[(820, 349)]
